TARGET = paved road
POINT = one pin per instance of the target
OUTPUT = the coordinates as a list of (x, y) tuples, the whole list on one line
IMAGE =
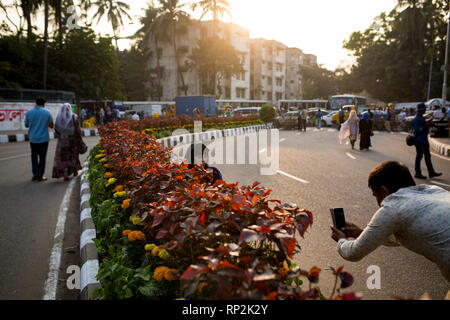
[(28, 218), (337, 177)]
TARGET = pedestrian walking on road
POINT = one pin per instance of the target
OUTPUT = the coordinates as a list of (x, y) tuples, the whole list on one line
[(416, 217), (365, 129), (38, 120), (319, 119), (420, 127), (301, 119), (67, 161), (350, 129)]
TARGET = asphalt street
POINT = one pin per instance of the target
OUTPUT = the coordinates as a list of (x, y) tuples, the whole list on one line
[(317, 173), (28, 217)]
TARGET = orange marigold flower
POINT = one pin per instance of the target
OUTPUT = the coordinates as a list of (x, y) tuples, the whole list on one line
[(159, 272), (106, 165), (126, 203), (118, 188), (126, 232), (170, 274), (108, 175)]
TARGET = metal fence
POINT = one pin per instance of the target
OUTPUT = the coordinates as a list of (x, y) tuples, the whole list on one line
[(30, 95)]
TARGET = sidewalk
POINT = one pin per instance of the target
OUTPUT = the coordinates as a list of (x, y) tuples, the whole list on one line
[(441, 146), (22, 135)]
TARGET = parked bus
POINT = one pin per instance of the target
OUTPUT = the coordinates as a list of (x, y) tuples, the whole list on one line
[(338, 101)]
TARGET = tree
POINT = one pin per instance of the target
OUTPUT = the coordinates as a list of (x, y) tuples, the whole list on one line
[(170, 19), (29, 7), (131, 74), (114, 11), (214, 58), (318, 82), (217, 8), (393, 59)]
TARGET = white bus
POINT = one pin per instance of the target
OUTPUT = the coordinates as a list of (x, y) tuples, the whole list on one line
[(293, 105), (338, 101)]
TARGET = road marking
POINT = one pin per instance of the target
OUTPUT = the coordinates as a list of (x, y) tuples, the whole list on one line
[(440, 183), (439, 156), (350, 156), (55, 258), (331, 130), (292, 177), (15, 157), (281, 140)]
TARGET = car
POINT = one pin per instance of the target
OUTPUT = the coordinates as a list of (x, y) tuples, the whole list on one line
[(347, 109), (326, 120)]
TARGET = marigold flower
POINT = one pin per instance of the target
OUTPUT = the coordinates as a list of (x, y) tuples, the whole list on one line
[(106, 165), (126, 232), (163, 254), (102, 160), (111, 181), (150, 247), (135, 220), (118, 188), (120, 194), (159, 272), (136, 235), (108, 175), (170, 274), (126, 203), (155, 251), (101, 155)]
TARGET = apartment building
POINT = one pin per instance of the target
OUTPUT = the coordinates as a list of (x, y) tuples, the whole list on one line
[(294, 60), (168, 80), (268, 70)]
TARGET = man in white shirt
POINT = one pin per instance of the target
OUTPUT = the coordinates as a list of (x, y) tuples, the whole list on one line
[(437, 114), (415, 217), (135, 116)]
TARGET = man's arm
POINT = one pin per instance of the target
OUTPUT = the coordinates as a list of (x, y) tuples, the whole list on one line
[(50, 121), (379, 231)]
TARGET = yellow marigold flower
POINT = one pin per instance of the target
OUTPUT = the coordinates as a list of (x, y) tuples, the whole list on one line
[(150, 247), (111, 181), (135, 220), (101, 151), (163, 254), (126, 203), (102, 160), (101, 155), (120, 194), (155, 251)]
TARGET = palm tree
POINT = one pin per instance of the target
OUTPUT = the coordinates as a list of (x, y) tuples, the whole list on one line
[(114, 11), (28, 8), (171, 17), (217, 8)]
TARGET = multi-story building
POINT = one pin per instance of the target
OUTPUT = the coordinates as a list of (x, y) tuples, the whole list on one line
[(294, 60), (268, 70), (169, 80)]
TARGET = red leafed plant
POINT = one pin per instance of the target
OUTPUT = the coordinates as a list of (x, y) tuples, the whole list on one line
[(226, 241)]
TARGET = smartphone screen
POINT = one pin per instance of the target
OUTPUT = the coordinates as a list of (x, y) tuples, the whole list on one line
[(337, 214)]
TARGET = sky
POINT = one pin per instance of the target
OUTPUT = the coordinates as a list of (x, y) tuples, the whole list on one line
[(317, 27)]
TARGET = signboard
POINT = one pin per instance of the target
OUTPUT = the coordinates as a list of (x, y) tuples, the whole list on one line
[(12, 114)]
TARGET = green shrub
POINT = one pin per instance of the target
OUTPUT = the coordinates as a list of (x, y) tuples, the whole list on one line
[(267, 113)]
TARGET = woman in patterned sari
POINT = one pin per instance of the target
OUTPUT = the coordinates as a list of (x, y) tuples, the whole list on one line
[(67, 160)]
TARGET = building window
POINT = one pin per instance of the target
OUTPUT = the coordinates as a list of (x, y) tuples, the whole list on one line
[(269, 95), (269, 81), (279, 67), (279, 82), (279, 95), (227, 92), (240, 92)]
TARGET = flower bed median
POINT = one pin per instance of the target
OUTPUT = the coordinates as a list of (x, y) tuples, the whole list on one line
[(164, 232)]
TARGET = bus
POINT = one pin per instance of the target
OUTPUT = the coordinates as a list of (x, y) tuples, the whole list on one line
[(338, 101)]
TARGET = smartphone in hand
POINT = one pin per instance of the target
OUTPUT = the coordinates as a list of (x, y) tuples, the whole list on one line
[(337, 214)]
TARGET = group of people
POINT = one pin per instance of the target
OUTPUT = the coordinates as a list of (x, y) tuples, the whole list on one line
[(68, 131), (103, 115), (303, 118), (355, 127)]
